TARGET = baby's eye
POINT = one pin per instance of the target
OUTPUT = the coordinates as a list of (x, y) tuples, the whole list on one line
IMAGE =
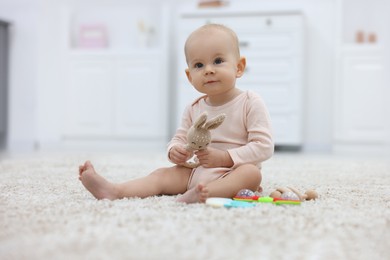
[(218, 61), (198, 65)]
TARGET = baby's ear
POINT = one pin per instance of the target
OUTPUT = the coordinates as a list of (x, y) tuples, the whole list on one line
[(200, 120), (241, 65), (188, 75), (215, 122)]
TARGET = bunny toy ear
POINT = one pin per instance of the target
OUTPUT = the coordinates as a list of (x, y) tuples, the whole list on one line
[(200, 120), (215, 122)]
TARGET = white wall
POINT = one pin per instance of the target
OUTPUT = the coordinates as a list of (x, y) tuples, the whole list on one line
[(37, 32), (369, 16), (319, 73)]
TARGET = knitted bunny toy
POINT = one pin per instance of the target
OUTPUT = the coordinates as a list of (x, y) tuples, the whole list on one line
[(199, 136)]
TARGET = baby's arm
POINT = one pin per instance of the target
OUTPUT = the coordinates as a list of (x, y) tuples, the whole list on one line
[(260, 146), (178, 154), (212, 158)]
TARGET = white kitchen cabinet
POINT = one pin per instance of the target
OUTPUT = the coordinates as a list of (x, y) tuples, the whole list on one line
[(88, 96), (273, 46), (115, 85), (360, 114), (115, 96)]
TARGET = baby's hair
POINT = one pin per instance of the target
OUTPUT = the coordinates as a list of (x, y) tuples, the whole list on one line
[(214, 26)]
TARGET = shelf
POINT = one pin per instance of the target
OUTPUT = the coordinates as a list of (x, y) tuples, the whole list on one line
[(352, 47), (112, 52), (116, 26)]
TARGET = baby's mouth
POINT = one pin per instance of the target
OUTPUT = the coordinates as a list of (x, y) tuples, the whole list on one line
[(211, 82)]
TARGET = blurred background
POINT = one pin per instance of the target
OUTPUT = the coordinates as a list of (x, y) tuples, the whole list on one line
[(109, 74)]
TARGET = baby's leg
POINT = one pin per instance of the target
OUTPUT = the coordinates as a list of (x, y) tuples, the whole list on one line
[(246, 176), (96, 184), (198, 194), (163, 181)]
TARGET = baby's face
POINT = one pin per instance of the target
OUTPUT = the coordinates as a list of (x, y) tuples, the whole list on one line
[(212, 60)]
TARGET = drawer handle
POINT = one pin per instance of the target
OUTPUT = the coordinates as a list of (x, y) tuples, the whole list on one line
[(268, 22)]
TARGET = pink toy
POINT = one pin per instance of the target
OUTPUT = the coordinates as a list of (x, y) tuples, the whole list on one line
[(93, 36)]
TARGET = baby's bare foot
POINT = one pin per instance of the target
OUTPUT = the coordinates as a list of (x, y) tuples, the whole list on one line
[(199, 194), (84, 167), (81, 170), (96, 184)]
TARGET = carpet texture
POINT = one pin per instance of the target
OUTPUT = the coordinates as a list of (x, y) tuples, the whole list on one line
[(45, 213)]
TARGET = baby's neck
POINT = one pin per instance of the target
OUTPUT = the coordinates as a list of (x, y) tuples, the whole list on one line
[(219, 100)]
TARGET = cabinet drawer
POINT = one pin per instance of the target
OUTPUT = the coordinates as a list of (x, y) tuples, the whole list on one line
[(237, 23), (271, 43), (245, 24), (270, 69), (252, 36), (280, 96)]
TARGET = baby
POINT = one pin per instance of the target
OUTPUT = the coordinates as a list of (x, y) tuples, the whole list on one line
[(232, 161)]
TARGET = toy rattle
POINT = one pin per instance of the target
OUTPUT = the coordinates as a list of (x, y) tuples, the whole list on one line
[(199, 136), (247, 199), (249, 196), (293, 194)]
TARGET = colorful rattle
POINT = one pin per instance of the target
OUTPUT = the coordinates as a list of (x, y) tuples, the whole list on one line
[(249, 196), (246, 199)]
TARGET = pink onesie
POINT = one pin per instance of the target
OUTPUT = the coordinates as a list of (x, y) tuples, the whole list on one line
[(245, 133)]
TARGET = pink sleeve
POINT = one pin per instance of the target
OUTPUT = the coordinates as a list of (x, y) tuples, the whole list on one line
[(260, 146)]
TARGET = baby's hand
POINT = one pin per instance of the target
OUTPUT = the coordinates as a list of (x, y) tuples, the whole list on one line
[(211, 158), (179, 154)]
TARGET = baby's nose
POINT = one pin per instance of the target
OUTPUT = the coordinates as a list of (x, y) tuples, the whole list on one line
[(209, 69)]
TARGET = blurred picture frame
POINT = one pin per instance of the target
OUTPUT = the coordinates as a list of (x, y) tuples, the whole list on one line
[(92, 36)]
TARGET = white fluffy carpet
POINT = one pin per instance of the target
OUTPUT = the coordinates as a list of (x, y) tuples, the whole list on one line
[(45, 213)]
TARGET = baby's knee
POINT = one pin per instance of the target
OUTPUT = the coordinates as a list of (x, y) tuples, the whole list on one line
[(159, 173), (251, 168), (253, 171), (165, 173)]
